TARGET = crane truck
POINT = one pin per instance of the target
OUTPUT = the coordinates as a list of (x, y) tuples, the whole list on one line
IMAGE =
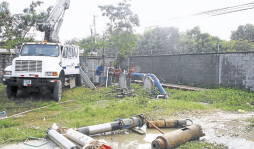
[(45, 66)]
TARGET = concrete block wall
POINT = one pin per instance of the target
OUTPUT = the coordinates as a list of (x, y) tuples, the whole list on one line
[(90, 64), (187, 69), (225, 69), (237, 69)]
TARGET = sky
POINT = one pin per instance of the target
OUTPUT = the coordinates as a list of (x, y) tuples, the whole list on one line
[(79, 17)]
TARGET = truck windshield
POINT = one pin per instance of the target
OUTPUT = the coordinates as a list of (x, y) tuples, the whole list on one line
[(40, 50)]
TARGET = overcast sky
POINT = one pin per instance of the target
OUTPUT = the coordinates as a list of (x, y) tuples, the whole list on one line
[(79, 17)]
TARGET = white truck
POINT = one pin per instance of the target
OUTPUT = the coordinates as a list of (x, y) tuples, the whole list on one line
[(45, 66)]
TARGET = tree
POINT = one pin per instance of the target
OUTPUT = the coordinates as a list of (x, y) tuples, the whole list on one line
[(15, 30), (4, 16), (160, 40), (243, 32), (73, 41), (120, 29), (89, 44), (193, 41)]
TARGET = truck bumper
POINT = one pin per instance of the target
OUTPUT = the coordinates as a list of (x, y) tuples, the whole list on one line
[(35, 82)]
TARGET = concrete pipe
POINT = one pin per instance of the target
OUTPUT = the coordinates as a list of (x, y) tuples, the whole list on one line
[(60, 140), (168, 123), (178, 137)]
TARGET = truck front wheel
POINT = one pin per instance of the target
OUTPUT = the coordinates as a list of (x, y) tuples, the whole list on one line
[(57, 93), (11, 91)]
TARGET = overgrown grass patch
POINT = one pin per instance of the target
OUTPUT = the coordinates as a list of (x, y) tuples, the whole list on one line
[(8, 123), (91, 107), (224, 98)]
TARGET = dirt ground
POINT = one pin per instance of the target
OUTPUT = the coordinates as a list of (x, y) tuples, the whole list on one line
[(228, 128)]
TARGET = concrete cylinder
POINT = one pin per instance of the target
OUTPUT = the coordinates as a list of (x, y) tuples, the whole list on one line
[(61, 140), (80, 138), (99, 128), (122, 82)]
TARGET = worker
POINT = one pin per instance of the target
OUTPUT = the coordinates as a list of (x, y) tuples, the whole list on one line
[(99, 70), (111, 67)]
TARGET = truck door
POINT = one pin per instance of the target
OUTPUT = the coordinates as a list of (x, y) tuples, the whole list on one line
[(70, 60)]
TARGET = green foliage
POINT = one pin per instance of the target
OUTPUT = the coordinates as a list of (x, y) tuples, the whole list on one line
[(167, 40), (15, 28), (120, 29), (223, 98), (196, 42), (243, 32), (8, 123), (158, 39), (4, 15), (92, 44)]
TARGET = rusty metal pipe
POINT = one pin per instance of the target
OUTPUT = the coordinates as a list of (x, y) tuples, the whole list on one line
[(153, 124), (168, 123), (178, 137)]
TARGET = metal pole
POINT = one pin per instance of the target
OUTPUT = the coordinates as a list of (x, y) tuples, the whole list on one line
[(218, 48)]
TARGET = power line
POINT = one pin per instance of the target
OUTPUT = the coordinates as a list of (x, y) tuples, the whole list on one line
[(214, 12), (227, 10)]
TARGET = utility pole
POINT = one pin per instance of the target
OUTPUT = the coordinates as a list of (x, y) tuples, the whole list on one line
[(91, 31), (218, 48), (94, 24)]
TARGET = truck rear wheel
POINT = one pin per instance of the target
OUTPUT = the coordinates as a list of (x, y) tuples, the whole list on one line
[(57, 93), (11, 91), (79, 80)]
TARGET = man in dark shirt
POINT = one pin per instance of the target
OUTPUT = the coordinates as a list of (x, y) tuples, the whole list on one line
[(99, 70)]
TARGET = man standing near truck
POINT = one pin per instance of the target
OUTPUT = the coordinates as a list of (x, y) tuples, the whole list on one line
[(99, 70)]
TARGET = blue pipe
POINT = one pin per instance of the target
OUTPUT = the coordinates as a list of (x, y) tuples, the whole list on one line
[(159, 85), (155, 80), (133, 74)]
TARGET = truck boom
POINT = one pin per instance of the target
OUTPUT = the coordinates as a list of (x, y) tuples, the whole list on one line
[(54, 22)]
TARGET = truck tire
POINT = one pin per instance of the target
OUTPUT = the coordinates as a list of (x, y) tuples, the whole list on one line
[(11, 91), (57, 93), (79, 80), (62, 78)]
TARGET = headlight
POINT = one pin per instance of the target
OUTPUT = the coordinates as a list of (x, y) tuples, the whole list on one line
[(7, 72), (51, 74)]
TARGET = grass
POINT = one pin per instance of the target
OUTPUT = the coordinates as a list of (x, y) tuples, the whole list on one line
[(223, 98), (90, 107)]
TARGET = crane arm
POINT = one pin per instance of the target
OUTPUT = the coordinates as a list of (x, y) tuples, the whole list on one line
[(53, 23)]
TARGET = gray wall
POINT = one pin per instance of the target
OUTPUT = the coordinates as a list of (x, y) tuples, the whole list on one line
[(226, 69), (91, 63), (237, 69)]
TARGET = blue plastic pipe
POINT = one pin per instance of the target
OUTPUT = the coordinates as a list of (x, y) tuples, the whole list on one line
[(133, 74), (159, 85)]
